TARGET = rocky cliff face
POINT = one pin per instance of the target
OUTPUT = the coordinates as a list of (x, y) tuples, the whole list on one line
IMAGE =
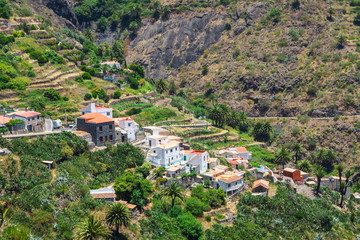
[(169, 44), (60, 12)]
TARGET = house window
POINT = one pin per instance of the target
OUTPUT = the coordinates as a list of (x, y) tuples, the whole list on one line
[(184, 158), (111, 137), (110, 127), (129, 124), (101, 139), (38, 117), (154, 151), (167, 151), (229, 185), (171, 150), (100, 129), (108, 113)]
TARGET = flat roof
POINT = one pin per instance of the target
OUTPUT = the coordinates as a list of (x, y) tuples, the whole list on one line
[(229, 178), (167, 145), (290, 170)]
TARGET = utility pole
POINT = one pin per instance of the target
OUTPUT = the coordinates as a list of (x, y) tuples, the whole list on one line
[(66, 119)]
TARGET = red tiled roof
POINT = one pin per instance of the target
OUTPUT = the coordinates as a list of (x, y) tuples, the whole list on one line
[(4, 120), (235, 162), (95, 118), (128, 205), (25, 114)]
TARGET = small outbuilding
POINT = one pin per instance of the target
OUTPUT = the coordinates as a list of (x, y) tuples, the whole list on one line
[(260, 187), (107, 194)]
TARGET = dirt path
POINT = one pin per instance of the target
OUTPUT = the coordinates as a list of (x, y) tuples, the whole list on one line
[(53, 175), (305, 191)]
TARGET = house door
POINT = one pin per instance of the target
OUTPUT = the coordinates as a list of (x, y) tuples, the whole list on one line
[(150, 143), (29, 127), (106, 138)]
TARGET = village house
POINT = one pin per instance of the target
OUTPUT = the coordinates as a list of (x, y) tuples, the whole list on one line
[(48, 164), (111, 64), (92, 108), (174, 171), (239, 152), (129, 126), (4, 121), (32, 120), (101, 128), (212, 162), (196, 161), (294, 174), (167, 154), (260, 187), (107, 194), (230, 181)]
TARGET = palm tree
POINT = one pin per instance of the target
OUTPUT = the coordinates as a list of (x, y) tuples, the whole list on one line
[(243, 122), (91, 229), (340, 168), (262, 131), (174, 190), (298, 151), (319, 172), (282, 157), (304, 165), (118, 215), (343, 186)]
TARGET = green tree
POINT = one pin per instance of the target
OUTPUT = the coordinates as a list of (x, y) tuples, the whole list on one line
[(102, 24), (243, 122), (161, 86), (118, 215), (173, 191), (262, 131), (190, 227), (118, 51), (194, 206), (304, 165), (298, 151), (117, 95), (52, 94), (5, 10), (3, 212), (87, 96), (89, 34), (91, 229), (282, 157), (138, 69), (319, 172)]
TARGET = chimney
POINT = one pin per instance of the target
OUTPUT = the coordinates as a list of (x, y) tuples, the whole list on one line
[(101, 105), (26, 108)]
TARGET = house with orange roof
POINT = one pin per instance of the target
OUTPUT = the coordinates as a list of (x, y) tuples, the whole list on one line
[(4, 121), (260, 187), (196, 161), (32, 120), (100, 127), (128, 125), (92, 108)]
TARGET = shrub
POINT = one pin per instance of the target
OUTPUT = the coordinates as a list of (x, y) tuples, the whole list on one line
[(283, 43), (312, 91), (31, 73), (134, 82), (87, 96), (274, 14), (194, 206), (205, 70), (5, 10), (102, 24), (296, 131), (133, 111), (303, 118), (117, 94), (79, 79), (293, 35), (208, 218), (52, 94), (86, 76)]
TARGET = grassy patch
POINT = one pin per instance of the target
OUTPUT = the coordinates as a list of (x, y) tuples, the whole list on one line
[(143, 89), (155, 115)]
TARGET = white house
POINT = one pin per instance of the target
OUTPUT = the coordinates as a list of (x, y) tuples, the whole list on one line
[(196, 160), (32, 120), (129, 125), (167, 154), (230, 181), (111, 64), (92, 108)]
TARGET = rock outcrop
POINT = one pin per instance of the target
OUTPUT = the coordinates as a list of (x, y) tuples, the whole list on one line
[(182, 39)]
